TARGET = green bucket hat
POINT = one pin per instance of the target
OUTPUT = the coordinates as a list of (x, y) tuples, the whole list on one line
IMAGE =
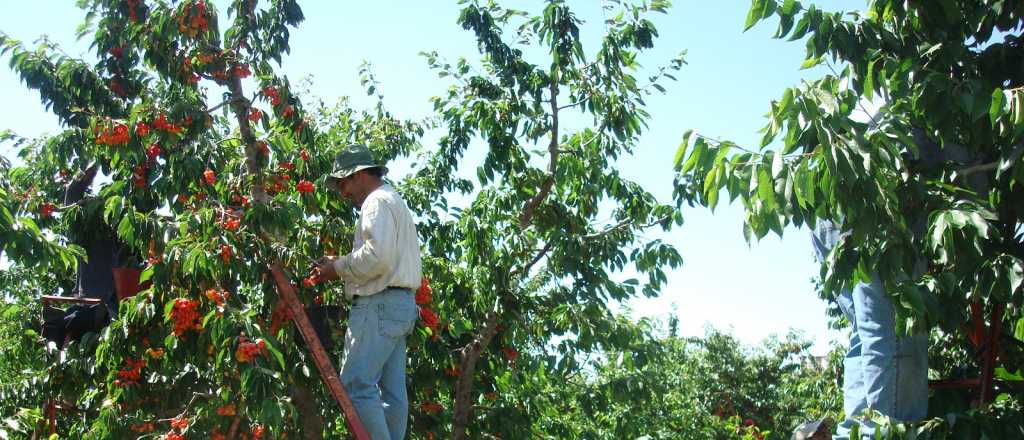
[(352, 159)]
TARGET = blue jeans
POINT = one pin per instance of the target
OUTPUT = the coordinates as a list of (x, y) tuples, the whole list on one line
[(373, 370), (882, 371)]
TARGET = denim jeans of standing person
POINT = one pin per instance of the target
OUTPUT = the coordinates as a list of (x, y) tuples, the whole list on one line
[(373, 371), (882, 372)]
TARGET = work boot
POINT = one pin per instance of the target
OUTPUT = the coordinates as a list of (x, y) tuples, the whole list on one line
[(815, 430)]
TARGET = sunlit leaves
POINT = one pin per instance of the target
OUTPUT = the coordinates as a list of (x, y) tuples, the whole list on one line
[(912, 143)]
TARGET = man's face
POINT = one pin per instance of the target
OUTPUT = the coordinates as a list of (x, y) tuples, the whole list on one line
[(354, 187)]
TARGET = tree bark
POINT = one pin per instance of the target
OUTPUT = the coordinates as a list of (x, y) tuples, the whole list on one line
[(553, 150), (240, 107), (309, 413), (470, 354)]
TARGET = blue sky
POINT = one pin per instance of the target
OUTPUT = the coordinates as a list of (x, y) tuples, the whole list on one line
[(723, 92)]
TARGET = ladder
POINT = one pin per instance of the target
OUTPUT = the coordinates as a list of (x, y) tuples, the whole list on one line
[(323, 362), (986, 342)]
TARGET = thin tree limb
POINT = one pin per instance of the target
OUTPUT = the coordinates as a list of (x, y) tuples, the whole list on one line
[(545, 189)]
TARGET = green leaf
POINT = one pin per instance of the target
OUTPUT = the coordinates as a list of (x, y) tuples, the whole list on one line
[(677, 162), (910, 297), (699, 149), (869, 80), (30, 224), (276, 353), (765, 189), (957, 218), (113, 207), (167, 309), (756, 12), (1017, 107), (939, 225), (997, 108), (206, 319), (11, 311), (953, 15), (811, 62), (825, 100), (1002, 374), (146, 274), (1018, 331), (1015, 274), (802, 26), (777, 165), (1009, 160), (790, 7), (6, 218), (711, 187), (979, 223), (126, 229), (769, 8), (192, 260), (787, 101), (967, 102)]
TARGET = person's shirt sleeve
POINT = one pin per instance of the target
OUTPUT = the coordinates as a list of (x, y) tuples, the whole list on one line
[(377, 254)]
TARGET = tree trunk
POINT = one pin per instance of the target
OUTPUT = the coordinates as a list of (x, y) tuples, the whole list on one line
[(309, 413), (467, 367)]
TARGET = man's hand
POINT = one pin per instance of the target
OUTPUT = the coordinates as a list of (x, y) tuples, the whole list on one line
[(326, 266)]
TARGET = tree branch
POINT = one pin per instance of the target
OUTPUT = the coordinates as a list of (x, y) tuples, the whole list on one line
[(526, 269), (240, 106), (233, 430), (229, 139), (545, 189), (571, 105), (195, 395), (623, 224), (718, 143), (218, 106), (978, 168)]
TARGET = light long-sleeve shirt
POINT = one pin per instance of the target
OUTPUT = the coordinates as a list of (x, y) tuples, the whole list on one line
[(385, 249)]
